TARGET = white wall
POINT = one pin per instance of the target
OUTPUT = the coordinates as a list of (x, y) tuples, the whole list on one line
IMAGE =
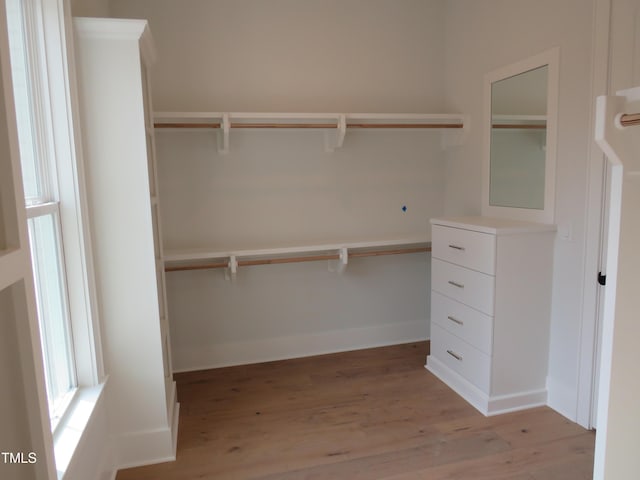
[(483, 36), (295, 55), (279, 188), (90, 8)]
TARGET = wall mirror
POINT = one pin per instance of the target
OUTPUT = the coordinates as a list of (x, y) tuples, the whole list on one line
[(520, 138)]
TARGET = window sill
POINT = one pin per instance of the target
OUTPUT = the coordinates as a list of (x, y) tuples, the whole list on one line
[(71, 427)]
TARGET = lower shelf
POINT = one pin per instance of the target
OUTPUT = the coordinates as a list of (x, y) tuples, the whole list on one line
[(340, 252), (485, 404)]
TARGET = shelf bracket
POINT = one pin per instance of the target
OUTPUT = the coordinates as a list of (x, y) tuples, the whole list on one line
[(231, 271), (223, 135), (614, 139), (335, 139), (340, 265)]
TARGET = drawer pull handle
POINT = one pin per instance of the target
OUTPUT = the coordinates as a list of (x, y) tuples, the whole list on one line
[(455, 284), (455, 355), (456, 247), (455, 320)]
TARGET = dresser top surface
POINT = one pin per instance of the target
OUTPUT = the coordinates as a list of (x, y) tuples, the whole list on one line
[(492, 225)]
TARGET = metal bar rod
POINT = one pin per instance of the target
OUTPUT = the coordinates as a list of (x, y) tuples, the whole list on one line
[(405, 125), (309, 258), (630, 119), (284, 125), (523, 126), (274, 261), (186, 125), (204, 266)]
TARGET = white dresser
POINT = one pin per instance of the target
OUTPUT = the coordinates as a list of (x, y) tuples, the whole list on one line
[(490, 309)]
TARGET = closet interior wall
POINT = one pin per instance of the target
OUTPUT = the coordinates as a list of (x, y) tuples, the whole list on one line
[(379, 56), (280, 187), (475, 45)]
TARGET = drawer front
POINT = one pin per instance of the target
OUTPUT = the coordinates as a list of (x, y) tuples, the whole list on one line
[(464, 322), (472, 288), (473, 250), (461, 357)]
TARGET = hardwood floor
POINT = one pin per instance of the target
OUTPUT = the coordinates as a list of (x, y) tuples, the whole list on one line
[(368, 414)]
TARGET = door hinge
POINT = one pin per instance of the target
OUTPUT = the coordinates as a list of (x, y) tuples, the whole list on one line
[(602, 279)]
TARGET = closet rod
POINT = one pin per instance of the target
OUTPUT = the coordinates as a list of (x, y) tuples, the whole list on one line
[(526, 126), (309, 258), (310, 125), (187, 125), (404, 125), (630, 119)]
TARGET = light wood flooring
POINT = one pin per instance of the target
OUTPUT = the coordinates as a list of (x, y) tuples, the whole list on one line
[(368, 414)]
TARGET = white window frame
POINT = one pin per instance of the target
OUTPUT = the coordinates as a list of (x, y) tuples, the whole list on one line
[(50, 50)]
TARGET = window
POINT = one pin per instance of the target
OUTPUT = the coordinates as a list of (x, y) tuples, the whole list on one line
[(54, 199)]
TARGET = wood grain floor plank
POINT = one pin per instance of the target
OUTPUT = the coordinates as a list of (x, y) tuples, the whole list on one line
[(369, 414)]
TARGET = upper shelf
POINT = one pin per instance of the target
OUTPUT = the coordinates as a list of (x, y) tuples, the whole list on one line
[(334, 124)]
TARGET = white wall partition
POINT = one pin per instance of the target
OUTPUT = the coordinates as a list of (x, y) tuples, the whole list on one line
[(480, 37), (113, 57)]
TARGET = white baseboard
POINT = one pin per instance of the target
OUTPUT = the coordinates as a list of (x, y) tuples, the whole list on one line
[(563, 399), (517, 401), (485, 404), (135, 449), (462, 387), (297, 346)]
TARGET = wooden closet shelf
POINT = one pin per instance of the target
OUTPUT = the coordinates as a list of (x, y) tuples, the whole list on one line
[(335, 125), (205, 261)]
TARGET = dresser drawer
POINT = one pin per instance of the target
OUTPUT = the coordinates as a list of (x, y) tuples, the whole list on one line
[(464, 322), (458, 355), (472, 288), (469, 249)]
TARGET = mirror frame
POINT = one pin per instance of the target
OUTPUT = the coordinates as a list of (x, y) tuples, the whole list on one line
[(551, 59)]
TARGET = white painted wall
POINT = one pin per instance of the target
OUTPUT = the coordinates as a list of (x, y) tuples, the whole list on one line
[(90, 8), (481, 37), (295, 55), (281, 187)]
